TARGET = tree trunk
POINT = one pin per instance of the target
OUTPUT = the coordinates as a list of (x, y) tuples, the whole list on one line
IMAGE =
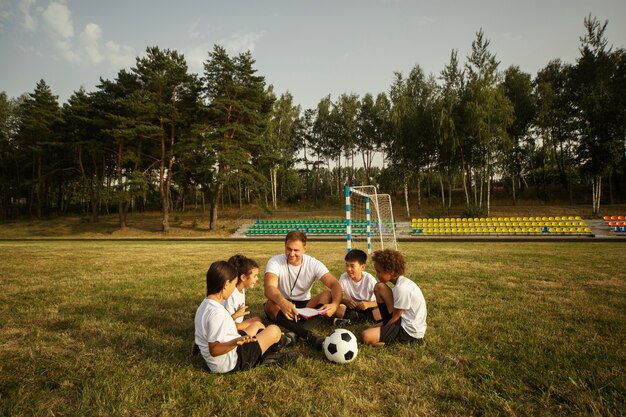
[(165, 223), (443, 192), (466, 179), (488, 194), (419, 192), (215, 199), (39, 186), (122, 205), (513, 188), (406, 198)]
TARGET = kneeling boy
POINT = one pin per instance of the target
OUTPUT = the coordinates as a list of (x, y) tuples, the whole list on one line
[(403, 308)]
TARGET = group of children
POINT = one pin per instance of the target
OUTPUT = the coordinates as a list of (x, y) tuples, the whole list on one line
[(229, 342)]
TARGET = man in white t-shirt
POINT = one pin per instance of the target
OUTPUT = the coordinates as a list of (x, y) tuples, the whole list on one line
[(288, 281)]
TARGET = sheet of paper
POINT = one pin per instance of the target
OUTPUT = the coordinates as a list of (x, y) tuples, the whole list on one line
[(309, 312)]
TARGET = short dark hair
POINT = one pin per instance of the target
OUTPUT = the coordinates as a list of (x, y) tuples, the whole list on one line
[(219, 273), (390, 260), (356, 255), (243, 264), (296, 235)]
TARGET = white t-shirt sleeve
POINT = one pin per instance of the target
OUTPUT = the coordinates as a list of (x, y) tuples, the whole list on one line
[(273, 266), (402, 298)]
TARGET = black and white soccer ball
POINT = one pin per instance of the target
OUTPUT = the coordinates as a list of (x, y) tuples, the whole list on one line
[(341, 346)]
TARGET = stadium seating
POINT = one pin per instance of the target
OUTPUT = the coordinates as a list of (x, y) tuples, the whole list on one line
[(309, 226), (508, 226), (616, 223), (318, 227)]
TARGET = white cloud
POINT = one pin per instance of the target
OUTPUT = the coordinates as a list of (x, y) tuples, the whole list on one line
[(89, 38), (59, 18), (241, 42), (87, 48), (28, 21), (119, 55), (196, 55)]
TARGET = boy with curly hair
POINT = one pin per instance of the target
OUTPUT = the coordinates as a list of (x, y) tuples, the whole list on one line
[(403, 307)]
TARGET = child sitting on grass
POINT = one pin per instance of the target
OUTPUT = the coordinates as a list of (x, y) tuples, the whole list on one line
[(247, 277), (216, 336), (359, 302), (403, 307)]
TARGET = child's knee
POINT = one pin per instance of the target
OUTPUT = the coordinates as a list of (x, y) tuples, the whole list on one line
[(274, 332), (367, 337)]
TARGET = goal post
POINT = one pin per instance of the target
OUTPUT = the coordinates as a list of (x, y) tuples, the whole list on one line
[(369, 220)]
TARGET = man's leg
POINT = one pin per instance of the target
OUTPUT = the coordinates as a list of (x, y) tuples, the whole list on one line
[(298, 327)]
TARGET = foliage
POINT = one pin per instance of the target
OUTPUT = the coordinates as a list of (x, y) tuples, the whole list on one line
[(160, 137)]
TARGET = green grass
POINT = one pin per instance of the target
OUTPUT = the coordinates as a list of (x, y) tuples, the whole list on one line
[(105, 328)]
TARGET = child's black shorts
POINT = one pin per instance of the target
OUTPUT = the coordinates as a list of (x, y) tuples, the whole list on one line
[(248, 356), (394, 332)]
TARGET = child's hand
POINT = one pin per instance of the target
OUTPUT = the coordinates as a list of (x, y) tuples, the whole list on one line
[(350, 303), (361, 305), (245, 339), (241, 311)]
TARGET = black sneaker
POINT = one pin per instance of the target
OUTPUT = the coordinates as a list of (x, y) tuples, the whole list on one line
[(279, 358), (341, 322), (286, 339), (316, 341)]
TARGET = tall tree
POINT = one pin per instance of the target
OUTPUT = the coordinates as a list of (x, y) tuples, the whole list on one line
[(555, 121), (238, 111), (518, 89), (602, 136), (9, 162), (164, 79), (86, 145), (487, 114), (41, 116), (280, 146)]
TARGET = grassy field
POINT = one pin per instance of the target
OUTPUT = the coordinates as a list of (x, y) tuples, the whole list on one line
[(105, 328)]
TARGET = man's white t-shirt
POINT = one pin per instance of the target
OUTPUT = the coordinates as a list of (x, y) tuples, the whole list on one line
[(358, 291), (236, 299), (295, 282), (407, 296), (214, 324)]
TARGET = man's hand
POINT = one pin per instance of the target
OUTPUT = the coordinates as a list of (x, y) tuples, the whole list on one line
[(289, 310), (330, 309)]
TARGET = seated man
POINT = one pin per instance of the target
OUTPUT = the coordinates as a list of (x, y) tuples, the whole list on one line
[(288, 281)]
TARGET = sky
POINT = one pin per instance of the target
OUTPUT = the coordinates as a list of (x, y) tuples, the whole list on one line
[(311, 48)]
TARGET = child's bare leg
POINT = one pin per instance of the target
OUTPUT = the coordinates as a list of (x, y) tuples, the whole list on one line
[(253, 327), (384, 296), (376, 315), (268, 336), (371, 336), (341, 311)]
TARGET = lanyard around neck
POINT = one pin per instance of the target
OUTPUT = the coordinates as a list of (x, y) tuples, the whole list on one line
[(297, 276)]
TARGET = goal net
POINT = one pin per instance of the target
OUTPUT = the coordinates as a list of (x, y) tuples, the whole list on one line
[(369, 220)]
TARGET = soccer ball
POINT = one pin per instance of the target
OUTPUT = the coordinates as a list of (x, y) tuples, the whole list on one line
[(340, 346)]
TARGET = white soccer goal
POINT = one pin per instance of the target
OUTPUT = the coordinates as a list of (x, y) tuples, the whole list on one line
[(369, 220)]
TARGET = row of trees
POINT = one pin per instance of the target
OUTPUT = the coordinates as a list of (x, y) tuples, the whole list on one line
[(158, 135)]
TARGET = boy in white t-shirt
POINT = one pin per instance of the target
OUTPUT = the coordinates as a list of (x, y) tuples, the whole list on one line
[(403, 308), (247, 277), (359, 302), (216, 335)]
